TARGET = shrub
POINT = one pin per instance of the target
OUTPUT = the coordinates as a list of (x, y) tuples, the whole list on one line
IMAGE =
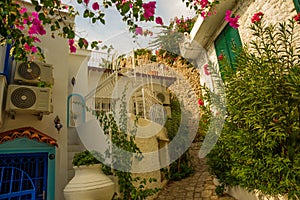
[(259, 145), (84, 158)]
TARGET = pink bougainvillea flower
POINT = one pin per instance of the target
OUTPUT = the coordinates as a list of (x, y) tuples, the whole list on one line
[(66, 7), (257, 17), (33, 49), (233, 21), (227, 15), (36, 26), (297, 18), (41, 30), (138, 31), (95, 6), (72, 49), (220, 57), (130, 5), (158, 20), (85, 43), (27, 47), (203, 3), (71, 42), (25, 21), (200, 102), (86, 1), (203, 14), (23, 10), (32, 30), (35, 15), (71, 46), (149, 9), (35, 39), (20, 27), (206, 70)]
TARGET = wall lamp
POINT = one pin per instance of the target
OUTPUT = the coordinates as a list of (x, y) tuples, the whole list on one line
[(57, 123)]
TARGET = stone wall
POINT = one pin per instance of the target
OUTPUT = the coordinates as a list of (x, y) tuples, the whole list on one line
[(274, 11), (186, 88)]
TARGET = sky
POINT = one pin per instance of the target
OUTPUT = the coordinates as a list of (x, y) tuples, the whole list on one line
[(115, 33)]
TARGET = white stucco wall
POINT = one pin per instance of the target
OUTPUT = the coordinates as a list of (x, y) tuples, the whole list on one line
[(56, 52), (65, 66)]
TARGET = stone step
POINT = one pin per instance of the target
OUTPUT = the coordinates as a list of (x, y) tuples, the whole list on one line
[(73, 137), (74, 146)]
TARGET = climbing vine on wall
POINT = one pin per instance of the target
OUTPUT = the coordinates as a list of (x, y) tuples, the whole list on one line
[(131, 187)]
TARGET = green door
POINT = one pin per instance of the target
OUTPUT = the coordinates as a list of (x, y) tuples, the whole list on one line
[(297, 5), (228, 40)]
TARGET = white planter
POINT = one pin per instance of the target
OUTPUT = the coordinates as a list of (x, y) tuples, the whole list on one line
[(89, 183), (242, 194)]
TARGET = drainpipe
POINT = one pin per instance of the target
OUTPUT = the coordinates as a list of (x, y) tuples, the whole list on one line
[(7, 63)]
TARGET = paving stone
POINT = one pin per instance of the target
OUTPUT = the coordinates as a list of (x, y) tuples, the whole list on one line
[(197, 187)]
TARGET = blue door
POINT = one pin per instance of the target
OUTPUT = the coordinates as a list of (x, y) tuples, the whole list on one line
[(23, 174)]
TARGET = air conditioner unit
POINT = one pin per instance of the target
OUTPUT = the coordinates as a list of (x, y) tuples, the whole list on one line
[(32, 73), (28, 99), (163, 97), (161, 94)]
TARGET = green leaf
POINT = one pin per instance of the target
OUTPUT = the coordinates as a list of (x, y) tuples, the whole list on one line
[(53, 27), (91, 14), (71, 34), (65, 30), (125, 8), (102, 20), (38, 8), (42, 16), (86, 13)]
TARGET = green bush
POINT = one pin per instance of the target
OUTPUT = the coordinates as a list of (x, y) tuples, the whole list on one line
[(259, 145), (181, 167), (84, 158)]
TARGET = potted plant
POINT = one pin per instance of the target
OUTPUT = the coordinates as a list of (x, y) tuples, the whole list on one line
[(89, 182)]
